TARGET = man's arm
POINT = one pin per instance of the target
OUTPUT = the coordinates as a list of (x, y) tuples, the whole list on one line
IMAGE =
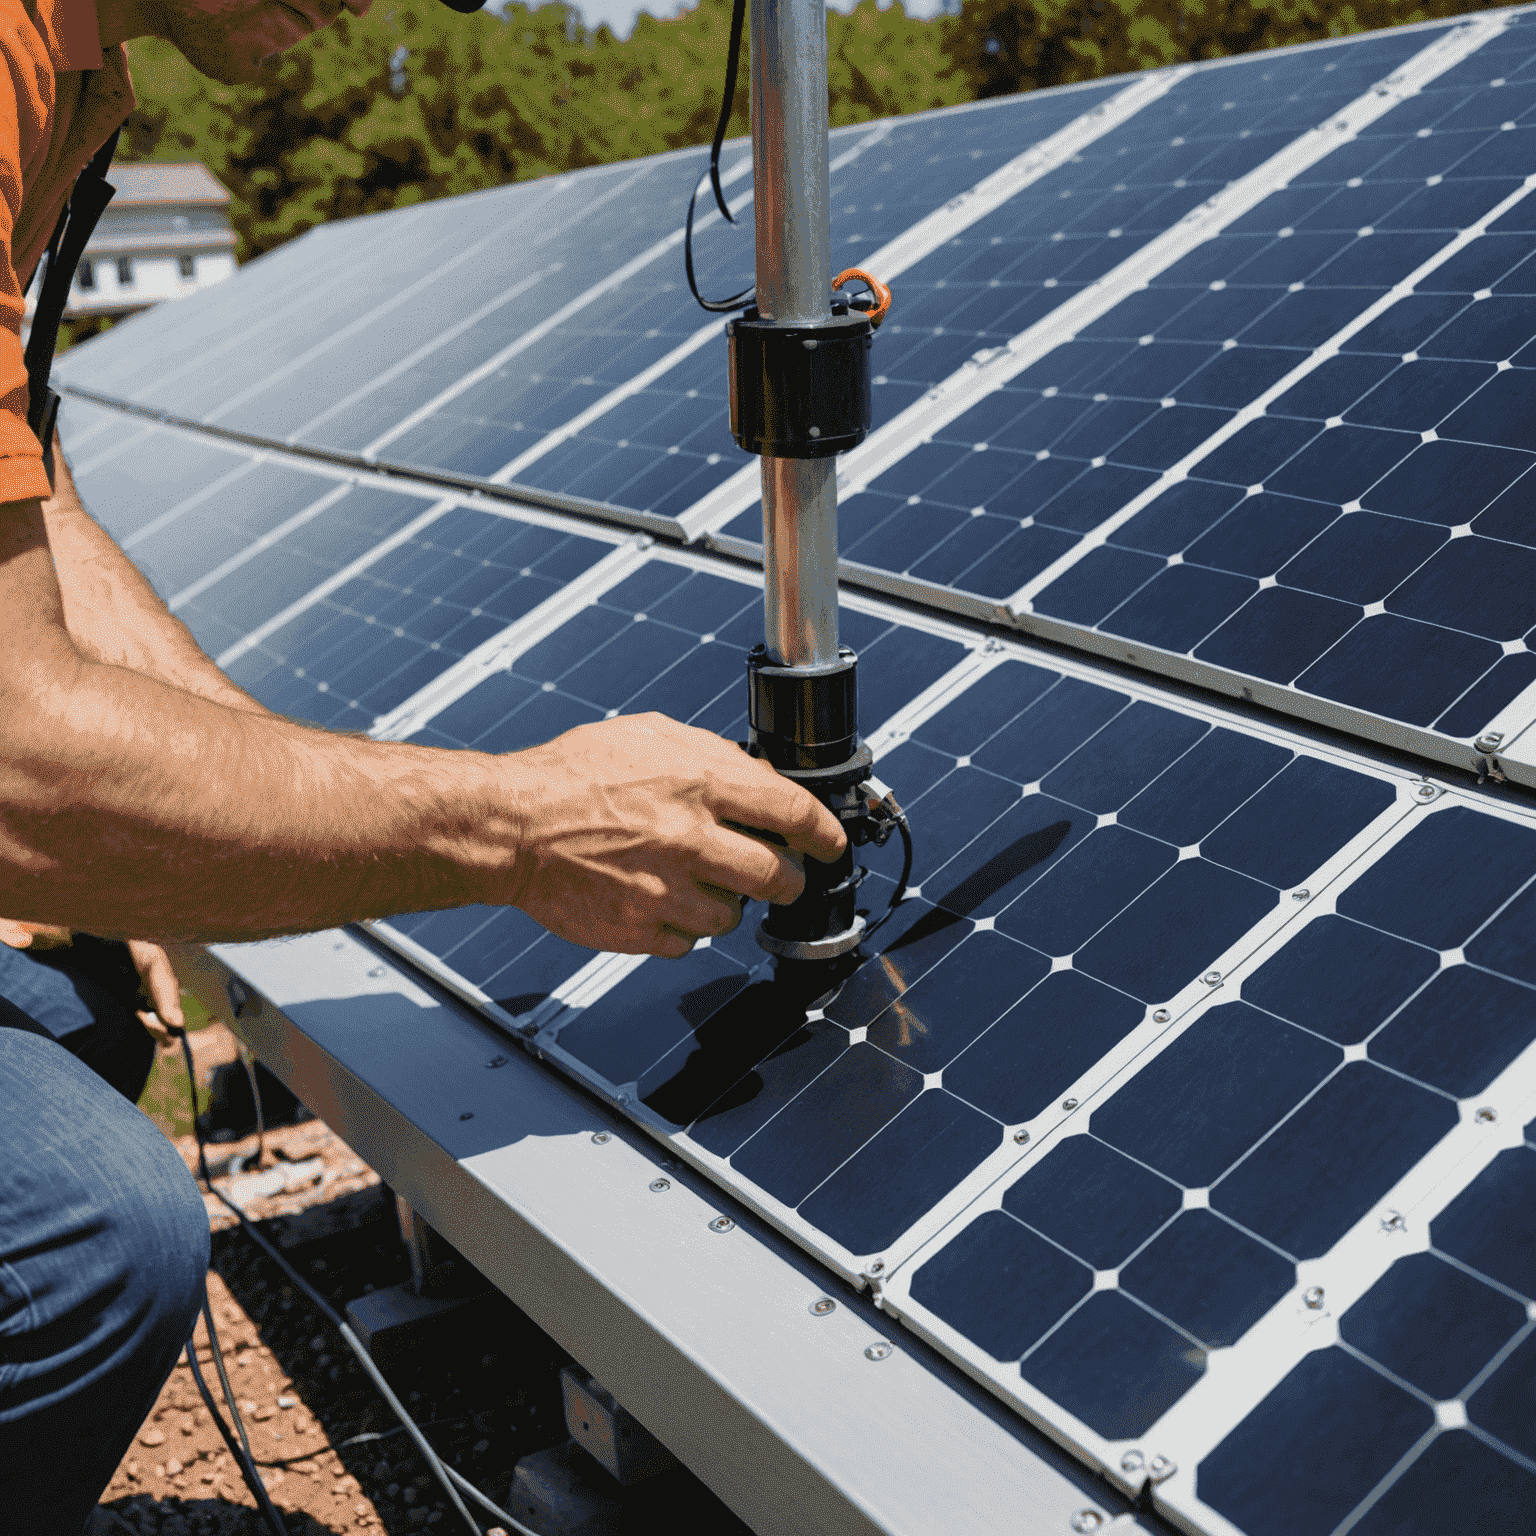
[(112, 613), (131, 806)]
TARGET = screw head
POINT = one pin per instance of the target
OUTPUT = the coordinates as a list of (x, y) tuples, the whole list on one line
[(1161, 1468), (1426, 791), (881, 1349), (660, 1184), (877, 1267), (1486, 1115), (1211, 978), (1132, 1461), (600, 1137), (1069, 1103), (1021, 1137), (1312, 1298), (1490, 742), (1300, 895), (1393, 1221), (823, 1306), (1161, 1016), (721, 1224), (1087, 1520)]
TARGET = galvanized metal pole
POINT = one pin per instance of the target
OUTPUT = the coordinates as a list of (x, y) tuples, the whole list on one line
[(794, 285)]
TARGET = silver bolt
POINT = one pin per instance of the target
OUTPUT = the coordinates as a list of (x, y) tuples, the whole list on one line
[(1486, 1115), (1300, 895), (600, 1137), (1087, 1520), (823, 1308), (1132, 1461), (815, 431), (877, 1267), (1162, 1468), (1211, 978), (1490, 742), (721, 1224), (1393, 1221), (1021, 1137), (1161, 1016), (1312, 1298), (1069, 1103), (660, 1184), (882, 1349), (1426, 791)]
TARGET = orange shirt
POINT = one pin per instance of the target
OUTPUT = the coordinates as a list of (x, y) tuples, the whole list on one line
[(61, 95)]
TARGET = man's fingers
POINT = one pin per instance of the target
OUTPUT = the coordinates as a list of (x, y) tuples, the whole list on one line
[(159, 978), (746, 866), (154, 1027), (777, 805)]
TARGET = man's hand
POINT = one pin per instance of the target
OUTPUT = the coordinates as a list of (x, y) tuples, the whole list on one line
[(160, 986), (620, 838)]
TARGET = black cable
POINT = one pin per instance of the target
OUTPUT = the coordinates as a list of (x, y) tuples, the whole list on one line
[(367, 1437), (733, 54), (905, 829), (445, 1474), (241, 1454)]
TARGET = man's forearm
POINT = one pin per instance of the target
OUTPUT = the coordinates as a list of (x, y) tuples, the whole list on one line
[(113, 614)]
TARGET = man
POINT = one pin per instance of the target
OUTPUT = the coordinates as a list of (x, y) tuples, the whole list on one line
[(141, 793)]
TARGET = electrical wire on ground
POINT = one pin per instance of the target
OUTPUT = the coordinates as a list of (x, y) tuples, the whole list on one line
[(452, 1483)]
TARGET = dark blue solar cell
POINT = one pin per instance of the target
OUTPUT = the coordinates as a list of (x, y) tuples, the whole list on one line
[(1094, 1202), (1432, 1324), (571, 644), (934, 1020), (541, 719), (1445, 879), (1049, 730), (1311, 317), (1506, 944), (1502, 412), (1448, 483), (1260, 534), (1491, 1224), (1405, 325), (1121, 759), (1177, 517), (1333, 386), (1419, 395), (1361, 557), (1494, 330), (470, 717), (1018, 559), (703, 603), (1096, 585), (917, 937), (1208, 1277), (903, 1172), (533, 974), (1013, 853), (1170, 434), (1096, 495), (643, 1017), (953, 812), (1511, 515), (1291, 260), (1505, 682), (1460, 1032), (984, 708), (1278, 632), (1313, 1449), (1233, 1073), (827, 1123), (1455, 204), (1180, 607), (1000, 1285), (1340, 978), (1505, 1404), (1297, 821), (1172, 932), (1338, 1154), (1459, 1483), (1099, 878), (1042, 1045), (1399, 668), (623, 667), (974, 538), (643, 589), (1480, 585), (1204, 786), (1115, 1366), (1237, 374), (913, 769), (897, 667), (1343, 463)]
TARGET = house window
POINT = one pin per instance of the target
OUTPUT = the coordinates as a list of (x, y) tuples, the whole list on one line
[(85, 276), (185, 263), (124, 271)]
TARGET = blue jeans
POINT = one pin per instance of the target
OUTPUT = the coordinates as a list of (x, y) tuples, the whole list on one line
[(103, 1245)]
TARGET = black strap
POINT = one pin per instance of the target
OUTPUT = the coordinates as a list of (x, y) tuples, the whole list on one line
[(92, 192)]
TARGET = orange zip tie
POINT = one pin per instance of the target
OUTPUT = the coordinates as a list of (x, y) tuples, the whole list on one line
[(881, 292)]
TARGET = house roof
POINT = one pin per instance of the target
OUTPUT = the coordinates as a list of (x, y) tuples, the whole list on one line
[(140, 184)]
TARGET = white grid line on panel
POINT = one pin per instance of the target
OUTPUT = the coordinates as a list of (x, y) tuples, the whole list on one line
[(1239, 1377), (989, 371), (959, 213), (105, 455), (187, 503), (1021, 600), (235, 561), (501, 650), (537, 333), (648, 376)]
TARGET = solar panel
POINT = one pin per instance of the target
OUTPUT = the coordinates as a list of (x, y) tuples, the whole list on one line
[(1186, 1101)]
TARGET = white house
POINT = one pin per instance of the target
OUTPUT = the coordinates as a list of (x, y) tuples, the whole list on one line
[(164, 235)]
